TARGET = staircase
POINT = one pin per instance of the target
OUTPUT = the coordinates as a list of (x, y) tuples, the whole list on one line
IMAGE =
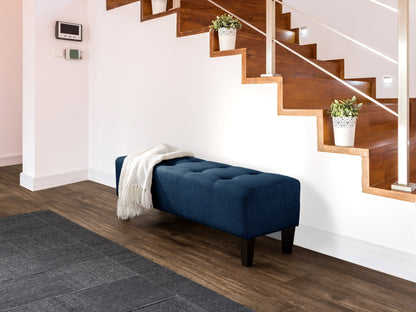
[(303, 90)]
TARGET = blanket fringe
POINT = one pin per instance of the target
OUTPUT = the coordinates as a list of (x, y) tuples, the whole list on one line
[(136, 176), (136, 202)]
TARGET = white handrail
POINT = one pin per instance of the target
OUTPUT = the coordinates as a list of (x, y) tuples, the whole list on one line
[(339, 33), (384, 5), (310, 62)]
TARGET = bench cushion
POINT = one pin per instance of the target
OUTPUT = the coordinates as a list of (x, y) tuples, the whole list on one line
[(243, 202)]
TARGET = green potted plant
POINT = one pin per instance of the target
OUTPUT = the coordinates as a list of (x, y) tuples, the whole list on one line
[(344, 117), (227, 27), (159, 6)]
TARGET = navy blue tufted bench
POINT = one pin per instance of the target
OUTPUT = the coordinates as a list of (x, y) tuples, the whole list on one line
[(243, 202)]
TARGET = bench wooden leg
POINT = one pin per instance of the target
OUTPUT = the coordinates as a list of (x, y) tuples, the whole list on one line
[(287, 240), (247, 251)]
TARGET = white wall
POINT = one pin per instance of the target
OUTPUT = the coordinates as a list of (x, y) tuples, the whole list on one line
[(148, 87), (55, 133), (11, 82), (366, 22)]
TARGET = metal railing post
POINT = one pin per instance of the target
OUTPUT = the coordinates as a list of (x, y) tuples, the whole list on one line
[(270, 37), (176, 4), (403, 100)]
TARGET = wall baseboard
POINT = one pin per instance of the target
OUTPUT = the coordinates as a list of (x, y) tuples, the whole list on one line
[(10, 160), (54, 180), (376, 257), (102, 177)]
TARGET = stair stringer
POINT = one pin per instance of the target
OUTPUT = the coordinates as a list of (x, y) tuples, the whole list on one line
[(320, 114)]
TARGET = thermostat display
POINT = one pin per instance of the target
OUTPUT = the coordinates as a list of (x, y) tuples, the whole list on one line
[(68, 31)]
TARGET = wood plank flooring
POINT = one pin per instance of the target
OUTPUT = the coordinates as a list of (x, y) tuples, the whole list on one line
[(302, 281)]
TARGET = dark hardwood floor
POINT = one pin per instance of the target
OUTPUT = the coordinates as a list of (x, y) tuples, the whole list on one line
[(301, 281)]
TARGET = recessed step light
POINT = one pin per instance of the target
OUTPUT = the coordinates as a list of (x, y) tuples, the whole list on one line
[(388, 79), (304, 31)]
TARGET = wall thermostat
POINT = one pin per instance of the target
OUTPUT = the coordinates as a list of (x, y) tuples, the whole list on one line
[(73, 54), (68, 31)]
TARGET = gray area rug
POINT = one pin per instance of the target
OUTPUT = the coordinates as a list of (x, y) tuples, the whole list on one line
[(48, 263)]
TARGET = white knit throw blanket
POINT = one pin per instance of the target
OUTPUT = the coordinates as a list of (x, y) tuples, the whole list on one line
[(135, 197)]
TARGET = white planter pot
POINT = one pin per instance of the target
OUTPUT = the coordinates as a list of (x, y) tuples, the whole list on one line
[(227, 38), (344, 130), (159, 6)]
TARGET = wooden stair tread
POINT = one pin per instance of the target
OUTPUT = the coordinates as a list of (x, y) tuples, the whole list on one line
[(378, 142), (384, 188), (307, 50), (382, 142), (318, 93), (289, 65), (386, 185)]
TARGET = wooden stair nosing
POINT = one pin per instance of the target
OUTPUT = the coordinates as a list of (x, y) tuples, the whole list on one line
[(243, 52), (307, 50), (156, 16), (381, 191), (191, 32)]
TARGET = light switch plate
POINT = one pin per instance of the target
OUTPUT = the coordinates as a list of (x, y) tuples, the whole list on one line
[(58, 52)]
